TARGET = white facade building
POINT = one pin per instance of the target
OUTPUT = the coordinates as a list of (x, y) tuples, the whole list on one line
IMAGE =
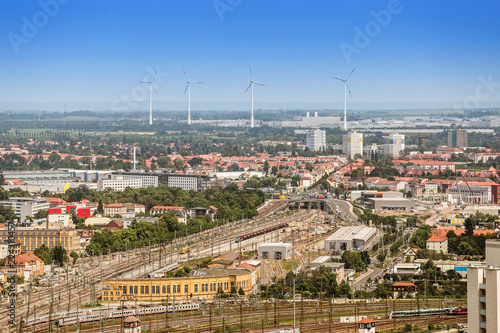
[(118, 183), (395, 144), (483, 292), (24, 207), (316, 140), (352, 144), (275, 251), (148, 179)]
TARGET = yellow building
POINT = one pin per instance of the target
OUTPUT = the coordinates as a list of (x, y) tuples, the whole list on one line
[(204, 283), (31, 238)]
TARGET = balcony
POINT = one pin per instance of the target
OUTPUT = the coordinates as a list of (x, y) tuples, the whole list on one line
[(482, 324), (482, 286), (482, 299), (482, 312)]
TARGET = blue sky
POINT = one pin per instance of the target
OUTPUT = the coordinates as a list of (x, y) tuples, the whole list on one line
[(437, 53)]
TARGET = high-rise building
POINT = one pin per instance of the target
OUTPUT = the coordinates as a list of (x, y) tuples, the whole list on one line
[(352, 144), (395, 144), (483, 292), (316, 140), (457, 138)]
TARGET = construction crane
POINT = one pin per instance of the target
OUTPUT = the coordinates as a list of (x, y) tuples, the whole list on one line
[(476, 201)]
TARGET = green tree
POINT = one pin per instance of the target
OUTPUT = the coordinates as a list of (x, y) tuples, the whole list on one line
[(241, 292), (59, 255), (42, 214), (43, 252)]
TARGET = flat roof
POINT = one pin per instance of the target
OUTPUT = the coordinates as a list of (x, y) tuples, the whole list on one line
[(321, 260), (275, 244), (351, 233)]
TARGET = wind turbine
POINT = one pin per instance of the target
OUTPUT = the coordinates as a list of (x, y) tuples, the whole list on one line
[(252, 82), (150, 100), (188, 89), (346, 87)]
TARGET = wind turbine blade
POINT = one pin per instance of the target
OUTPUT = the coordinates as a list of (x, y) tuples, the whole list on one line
[(350, 74), (260, 84), (348, 88), (153, 87), (196, 82), (249, 86), (251, 76), (187, 79), (336, 78), (187, 86)]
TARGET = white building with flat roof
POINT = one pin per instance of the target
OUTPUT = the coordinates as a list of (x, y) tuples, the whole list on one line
[(349, 238), (275, 251), (395, 144), (24, 206), (316, 140), (118, 183), (483, 292)]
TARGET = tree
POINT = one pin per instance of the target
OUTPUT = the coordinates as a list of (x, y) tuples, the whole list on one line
[(42, 214), (59, 255), (195, 161), (43, 252), (74, 255), (469, 225), (241, 292), (352, 260)]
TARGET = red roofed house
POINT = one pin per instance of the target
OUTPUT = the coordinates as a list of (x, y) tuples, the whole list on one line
[(26, 265), (438, 242), (115, 208), (179, 212), (366, 325), (403, 287)]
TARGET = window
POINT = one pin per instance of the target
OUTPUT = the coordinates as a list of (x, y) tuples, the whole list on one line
[(153, 289), (168, 289), (173, 289), (142, 289), (195, 288), (186, 289), (147, 289), (131, 290), (157, 289), (164, 289)]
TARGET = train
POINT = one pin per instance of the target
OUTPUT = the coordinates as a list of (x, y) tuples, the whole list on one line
[(427, 312), (260, 232), (55, 316), (96, 314), (73, 320)]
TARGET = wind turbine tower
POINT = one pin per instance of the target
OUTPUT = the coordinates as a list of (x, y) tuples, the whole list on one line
[(346, 88), (252, 82), (151, 88), (188, 89)]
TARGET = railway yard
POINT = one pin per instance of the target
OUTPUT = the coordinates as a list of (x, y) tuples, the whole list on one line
[(81, 284)]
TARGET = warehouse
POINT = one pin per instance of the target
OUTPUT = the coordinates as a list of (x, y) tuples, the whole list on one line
[(349, 238), (276, 251), (390, 203)]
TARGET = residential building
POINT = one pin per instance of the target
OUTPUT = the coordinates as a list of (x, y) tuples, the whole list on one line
[(202, 211), (180, 213), (202, 283), (352, 144), (457, 138), (27, 265), (24, 207), (395, 145), (114, 209), (316, 140), (437, 242), (483, 296), (62, 220), (118, 184), (335, 267)]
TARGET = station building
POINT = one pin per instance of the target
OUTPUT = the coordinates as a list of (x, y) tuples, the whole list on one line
[(203, 283)]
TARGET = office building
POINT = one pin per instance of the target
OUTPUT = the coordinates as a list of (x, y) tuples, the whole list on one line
[(185, 181), (316, 140), (395, 144), (457, 138), (118, 183), (24, 207), (483, 292), (352, 144)]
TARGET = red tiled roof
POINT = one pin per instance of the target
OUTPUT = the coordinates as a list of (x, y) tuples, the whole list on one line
[(403, 284), (366, 321)]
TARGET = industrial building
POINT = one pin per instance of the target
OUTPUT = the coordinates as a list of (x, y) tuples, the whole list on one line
[(390, 203), (352, 144), (483, 296), (275, 251), (335, 267), (349, 238), (316, 140)]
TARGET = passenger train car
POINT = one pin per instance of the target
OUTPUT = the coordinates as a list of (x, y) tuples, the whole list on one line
[(421, 312), (55, 316), (73, 320)]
